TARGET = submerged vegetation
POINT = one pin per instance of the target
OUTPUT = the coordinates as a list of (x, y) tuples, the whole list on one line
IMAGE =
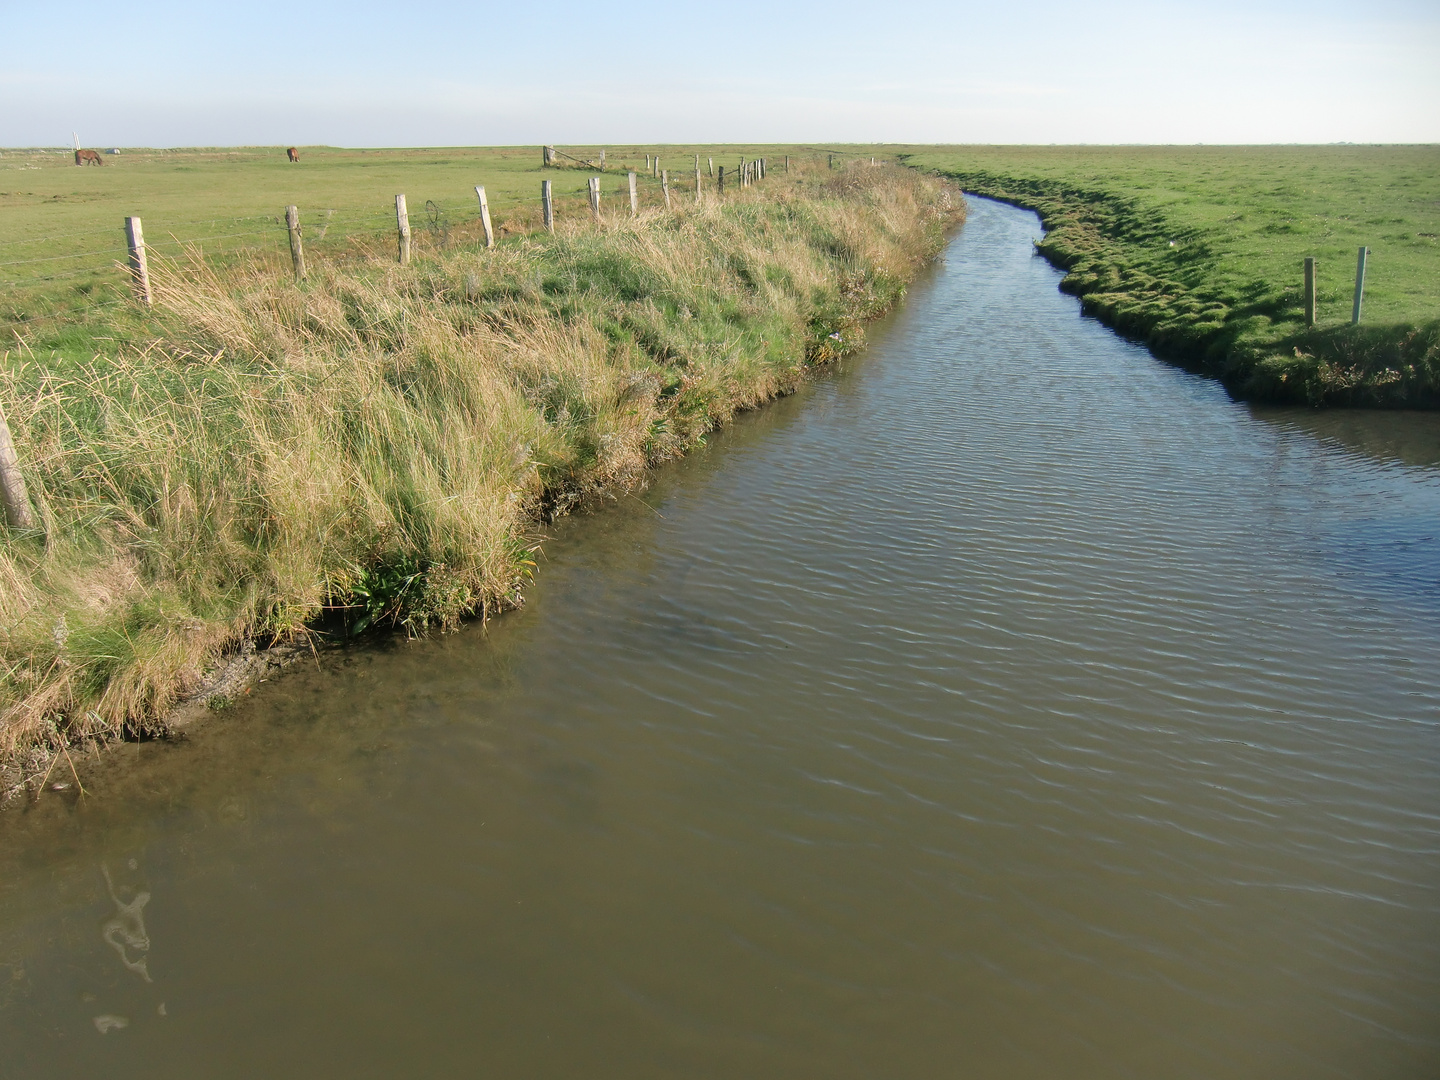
[(258, 459), (1198, 251)]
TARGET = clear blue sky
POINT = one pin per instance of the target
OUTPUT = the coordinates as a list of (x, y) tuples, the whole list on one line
[(365, 74)]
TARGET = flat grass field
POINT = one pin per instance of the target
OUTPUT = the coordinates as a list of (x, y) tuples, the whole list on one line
[(61, 226), (1199, 250), (1196, 250)]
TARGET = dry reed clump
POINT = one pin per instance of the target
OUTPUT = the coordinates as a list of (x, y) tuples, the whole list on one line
[(377, 443)]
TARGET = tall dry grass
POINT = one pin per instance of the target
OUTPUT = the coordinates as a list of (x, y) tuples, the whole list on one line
[(379, 441)]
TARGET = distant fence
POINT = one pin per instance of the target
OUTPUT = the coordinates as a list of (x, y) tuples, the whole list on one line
[(87, 266)]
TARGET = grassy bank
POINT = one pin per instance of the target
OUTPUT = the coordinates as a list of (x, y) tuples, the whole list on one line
[(258, 458), (61, 226), (1199, 250)]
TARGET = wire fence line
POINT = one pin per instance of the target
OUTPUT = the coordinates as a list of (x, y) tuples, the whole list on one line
[(332, 232)]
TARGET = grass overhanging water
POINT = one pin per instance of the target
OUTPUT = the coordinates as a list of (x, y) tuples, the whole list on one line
[(375, 446), (1198, 252)]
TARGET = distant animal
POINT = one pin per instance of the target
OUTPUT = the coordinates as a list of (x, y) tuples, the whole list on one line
[(293, 154), (88, 157)]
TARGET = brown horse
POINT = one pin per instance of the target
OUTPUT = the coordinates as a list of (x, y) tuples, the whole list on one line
[(88, 157), (293, 154)]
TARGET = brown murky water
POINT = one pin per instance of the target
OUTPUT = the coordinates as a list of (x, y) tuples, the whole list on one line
[(1009, 705)]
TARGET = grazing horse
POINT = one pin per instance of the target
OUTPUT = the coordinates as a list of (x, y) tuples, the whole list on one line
[(293, 154), (88, 157)]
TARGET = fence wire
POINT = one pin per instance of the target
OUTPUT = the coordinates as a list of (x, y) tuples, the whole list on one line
[(333, 232)]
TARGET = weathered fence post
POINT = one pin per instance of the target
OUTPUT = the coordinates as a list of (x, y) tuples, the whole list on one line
[(402, 226), (712, 165), (762, 168), (720, 182), (297, 252), (787, 163), (18, 514), (665, 186), (647, 162), (485, 216), (1359, 285), (831, 163), (595, 196), (697, 162), (655, 172), (548, 205), (634, 199), (697, 183), (139, 268), (602, 160), (547, 155), (1309, 292)]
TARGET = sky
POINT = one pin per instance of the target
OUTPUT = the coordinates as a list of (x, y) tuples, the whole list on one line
[(611, 72)]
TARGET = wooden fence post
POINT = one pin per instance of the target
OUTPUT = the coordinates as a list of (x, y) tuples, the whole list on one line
[(697, 162), (595, 196), (402, 227), (665, 186), (831, 163), (18, 514), (634, 199), (602, 160), (485, 216), (697, 184), (647, 162), (547, 155), (720, 183), (297, 252), (1359, 285), (548, 205), (655, 172), (712, 165), (1309, 292), (787, 163), (139, 268)]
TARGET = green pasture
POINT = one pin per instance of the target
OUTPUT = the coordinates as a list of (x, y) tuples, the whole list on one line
[(61, 226), (1200, 251)]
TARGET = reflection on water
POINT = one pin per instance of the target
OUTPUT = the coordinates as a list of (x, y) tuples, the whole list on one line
[(1008, 705), (1404, 437), (125, 933)]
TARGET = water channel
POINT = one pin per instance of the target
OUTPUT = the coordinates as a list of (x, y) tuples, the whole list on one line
[(1009, 704)]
